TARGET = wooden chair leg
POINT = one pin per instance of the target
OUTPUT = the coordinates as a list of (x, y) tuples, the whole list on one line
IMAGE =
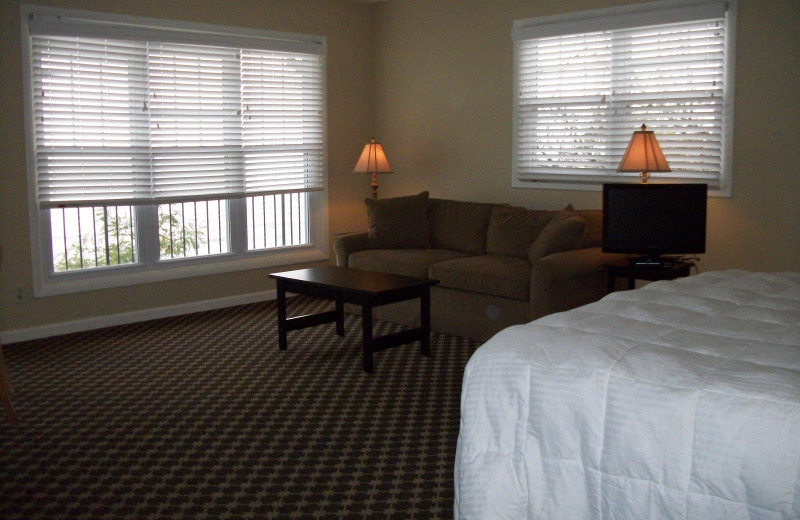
[(4, 373), (6, 389), (12, 416)]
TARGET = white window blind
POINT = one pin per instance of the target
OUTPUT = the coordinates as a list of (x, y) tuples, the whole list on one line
[(136, 114), (584, 83)]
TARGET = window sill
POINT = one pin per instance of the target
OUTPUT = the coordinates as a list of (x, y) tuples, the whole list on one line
[(121, 276)]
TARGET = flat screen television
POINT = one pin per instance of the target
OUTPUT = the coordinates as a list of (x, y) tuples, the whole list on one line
[(652, 220)]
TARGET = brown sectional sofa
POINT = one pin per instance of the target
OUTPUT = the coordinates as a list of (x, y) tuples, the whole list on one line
[(497, 265)]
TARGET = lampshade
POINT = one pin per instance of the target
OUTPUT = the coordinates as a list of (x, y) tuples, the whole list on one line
[(643, 155), (373, 161)]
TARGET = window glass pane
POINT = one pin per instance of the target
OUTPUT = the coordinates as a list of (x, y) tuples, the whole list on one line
[(84, 238), (277, 220), (187, 229)]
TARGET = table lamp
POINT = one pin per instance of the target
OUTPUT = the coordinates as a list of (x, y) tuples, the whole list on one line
[(643, 155)]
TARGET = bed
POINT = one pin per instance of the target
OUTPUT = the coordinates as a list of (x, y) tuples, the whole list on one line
[(679, 400)]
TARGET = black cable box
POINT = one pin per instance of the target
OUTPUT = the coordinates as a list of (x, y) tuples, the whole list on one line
[(662, 263)]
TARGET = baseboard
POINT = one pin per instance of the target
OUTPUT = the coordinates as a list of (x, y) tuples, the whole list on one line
[(68, 327)]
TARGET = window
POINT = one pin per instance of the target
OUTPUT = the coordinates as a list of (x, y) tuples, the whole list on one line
[(159, 151), (583, 83)]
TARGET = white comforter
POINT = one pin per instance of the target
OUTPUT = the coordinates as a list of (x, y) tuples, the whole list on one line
[(679, 400)]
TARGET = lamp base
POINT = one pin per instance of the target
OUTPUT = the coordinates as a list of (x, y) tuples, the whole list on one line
[(374, 186)]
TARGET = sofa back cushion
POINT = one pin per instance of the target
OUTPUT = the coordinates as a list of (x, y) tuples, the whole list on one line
[(399, 222), (513, 230), (459, 226)]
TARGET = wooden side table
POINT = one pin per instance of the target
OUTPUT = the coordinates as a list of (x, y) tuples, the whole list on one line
[(635, 272)]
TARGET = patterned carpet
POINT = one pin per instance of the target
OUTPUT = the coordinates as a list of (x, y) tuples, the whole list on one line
[(202, 416)]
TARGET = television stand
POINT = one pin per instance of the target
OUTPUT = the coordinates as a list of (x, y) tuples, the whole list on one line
[(666, 269)]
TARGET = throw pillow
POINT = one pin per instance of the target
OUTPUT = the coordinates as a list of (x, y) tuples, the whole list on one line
[(399, 222), (512, 230), (563, 233), (593, 237), (593, 234)]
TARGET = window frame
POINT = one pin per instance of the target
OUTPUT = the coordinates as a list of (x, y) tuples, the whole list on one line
[(149, 268), (665, 11)]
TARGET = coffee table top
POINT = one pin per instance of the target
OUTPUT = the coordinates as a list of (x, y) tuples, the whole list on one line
[(355, 280)]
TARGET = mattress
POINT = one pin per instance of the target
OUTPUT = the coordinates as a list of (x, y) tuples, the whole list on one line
[(680, 400)]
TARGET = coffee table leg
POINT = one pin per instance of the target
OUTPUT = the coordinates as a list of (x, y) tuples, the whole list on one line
[(425, 321), (282, 342), (340, 317), (366, 335)]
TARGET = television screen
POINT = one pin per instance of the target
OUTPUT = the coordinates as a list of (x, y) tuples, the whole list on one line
[(654, 219)]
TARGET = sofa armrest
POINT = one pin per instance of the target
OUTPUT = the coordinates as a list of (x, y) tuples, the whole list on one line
[(345, 245), (569, 279)]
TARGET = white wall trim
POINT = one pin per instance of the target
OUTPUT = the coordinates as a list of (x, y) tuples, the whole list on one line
[(68, 327)]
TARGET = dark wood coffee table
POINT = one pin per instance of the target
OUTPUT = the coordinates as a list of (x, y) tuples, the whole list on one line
[(366, 288)]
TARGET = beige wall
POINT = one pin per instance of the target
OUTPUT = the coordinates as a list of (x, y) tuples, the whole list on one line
[(444, 81), (431, 79)]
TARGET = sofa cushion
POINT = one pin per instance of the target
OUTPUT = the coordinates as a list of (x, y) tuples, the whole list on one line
[(513, 230), (399, 222), (406, 262), (504, 276), (563, 233), (460, 226)]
